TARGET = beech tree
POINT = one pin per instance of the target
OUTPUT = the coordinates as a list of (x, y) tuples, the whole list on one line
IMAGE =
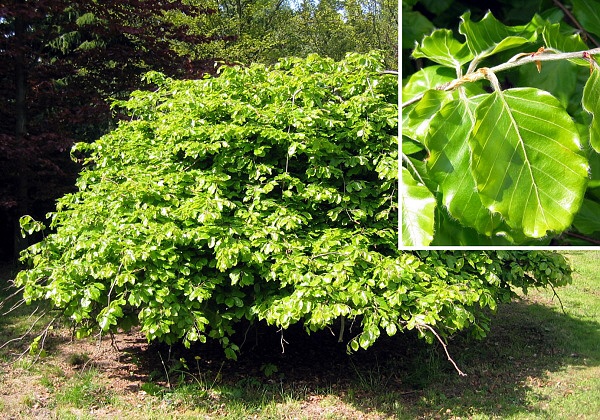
[(265, 194)]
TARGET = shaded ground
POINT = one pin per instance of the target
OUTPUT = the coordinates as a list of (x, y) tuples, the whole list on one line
[(310, 376)]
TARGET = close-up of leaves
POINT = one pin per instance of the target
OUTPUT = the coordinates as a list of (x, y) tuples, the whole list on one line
[(500, 139)]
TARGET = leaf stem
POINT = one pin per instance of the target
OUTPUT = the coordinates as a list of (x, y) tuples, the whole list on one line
[(479, 74)]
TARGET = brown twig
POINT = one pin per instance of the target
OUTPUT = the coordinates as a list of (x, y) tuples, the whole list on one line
[(516, 61), (430, 328), (585, 238), (576, 22)]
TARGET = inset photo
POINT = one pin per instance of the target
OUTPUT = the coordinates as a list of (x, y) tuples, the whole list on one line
[(500, 125)]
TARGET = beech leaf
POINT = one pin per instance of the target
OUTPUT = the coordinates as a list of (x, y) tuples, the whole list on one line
[(444, 49), (449, 164), (587, 220), (418, 206), (591, 104), (489, 35), (527, 160), (587, 13)]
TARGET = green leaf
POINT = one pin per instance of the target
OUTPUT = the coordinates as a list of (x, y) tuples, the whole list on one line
[(414, 26), (587, 13), (449, 164), (587, 219), (444, 49), (29, 225), (418, 205), (591, 104), (449, 232), (419, 117), (427, 78), (527, 161), (555, 38), (436, 6), (410, 147), (490, 36), (557, 77)]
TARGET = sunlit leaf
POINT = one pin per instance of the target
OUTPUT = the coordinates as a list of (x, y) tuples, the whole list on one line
[(527, 160), (449, 163), (591, 103), (442, 48), (417, 121), (418, 205), (425, 79), (490, 36), (555, 38), (410, 147)]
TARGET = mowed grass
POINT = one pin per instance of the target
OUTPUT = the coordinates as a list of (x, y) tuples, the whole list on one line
[(537, 362)]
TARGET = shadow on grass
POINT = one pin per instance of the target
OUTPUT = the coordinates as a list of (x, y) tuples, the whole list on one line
[(528, 341), (401, 376)]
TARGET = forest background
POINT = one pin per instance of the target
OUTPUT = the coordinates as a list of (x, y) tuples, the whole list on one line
[(63, 62)]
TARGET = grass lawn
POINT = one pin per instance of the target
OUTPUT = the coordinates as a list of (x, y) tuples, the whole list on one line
[(537, 362)]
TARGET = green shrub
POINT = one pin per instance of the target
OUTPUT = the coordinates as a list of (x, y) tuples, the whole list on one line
[(262, 194)]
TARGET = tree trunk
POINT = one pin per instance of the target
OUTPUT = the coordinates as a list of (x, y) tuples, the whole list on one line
[(20, 243)]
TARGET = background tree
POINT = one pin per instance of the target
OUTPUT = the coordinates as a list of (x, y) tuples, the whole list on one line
[(62, 61), (266, 30)]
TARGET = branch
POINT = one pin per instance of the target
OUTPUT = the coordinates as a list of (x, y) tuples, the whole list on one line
[(516, 61), (570, 15), (585, 238), (419, 326)]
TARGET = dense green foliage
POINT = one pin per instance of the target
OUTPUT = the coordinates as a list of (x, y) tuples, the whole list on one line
[(500, 132), (265, 30), (262, 194), (64, 61)]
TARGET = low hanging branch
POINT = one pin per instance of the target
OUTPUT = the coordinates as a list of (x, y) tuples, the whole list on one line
[(543, 54), (420, 327)]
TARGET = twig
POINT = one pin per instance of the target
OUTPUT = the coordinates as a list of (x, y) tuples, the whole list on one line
[(26, 332), (246, 335), (460, 372), (44, 335), (559, 299), (15, 305), (574, 20), (342, 327), (517, 61), (166, 371), (283, 342), (585, 238), (9, 297)]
